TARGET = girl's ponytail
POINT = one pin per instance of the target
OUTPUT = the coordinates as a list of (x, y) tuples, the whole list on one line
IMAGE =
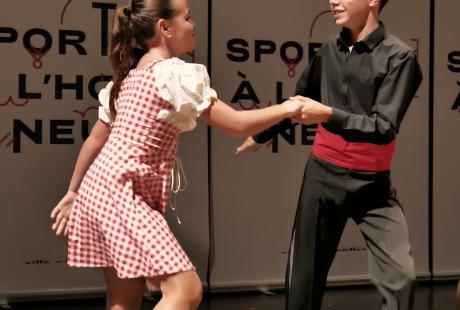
[(133, 25), (121, 51)]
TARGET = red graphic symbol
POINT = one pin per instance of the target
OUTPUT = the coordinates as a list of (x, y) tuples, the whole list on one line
[(63, 11), (37, 54), (291, 63), (83, 113), (4, 138), (10, 100), (315, 20)]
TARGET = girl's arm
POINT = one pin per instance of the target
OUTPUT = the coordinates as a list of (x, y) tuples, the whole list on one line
[(90, 149), (88, 153), (246, 123)]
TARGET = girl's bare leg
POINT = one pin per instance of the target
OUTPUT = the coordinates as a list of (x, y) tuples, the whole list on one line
[(180, 291), (123, 294)]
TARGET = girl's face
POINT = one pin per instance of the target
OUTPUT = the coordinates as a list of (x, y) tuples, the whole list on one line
[(181, 28), (350, 13)]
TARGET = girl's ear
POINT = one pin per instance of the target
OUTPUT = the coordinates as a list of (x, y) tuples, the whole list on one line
[(374, 3), (163, 28)]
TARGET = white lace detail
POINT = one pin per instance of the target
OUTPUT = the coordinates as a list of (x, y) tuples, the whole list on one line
[(177, 176)]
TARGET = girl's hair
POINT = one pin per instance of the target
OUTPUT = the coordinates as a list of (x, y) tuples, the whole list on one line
[(382, 4), (133, 25)]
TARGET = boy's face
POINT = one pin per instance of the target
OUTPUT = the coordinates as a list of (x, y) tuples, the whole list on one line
[(351, 13)]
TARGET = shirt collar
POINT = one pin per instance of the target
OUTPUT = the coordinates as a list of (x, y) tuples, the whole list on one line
[(370, 41)]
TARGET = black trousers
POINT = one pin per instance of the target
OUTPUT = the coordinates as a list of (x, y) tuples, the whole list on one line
[(329, 196)]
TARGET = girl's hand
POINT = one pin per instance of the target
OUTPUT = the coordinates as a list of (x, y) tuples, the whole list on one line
[(293, 106), (61, 213), (312, 112)]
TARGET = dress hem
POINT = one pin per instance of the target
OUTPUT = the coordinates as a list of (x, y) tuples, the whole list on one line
[(152, 275)]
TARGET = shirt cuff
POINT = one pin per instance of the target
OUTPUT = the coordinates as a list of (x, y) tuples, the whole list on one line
[(338, 118), (262, 137)]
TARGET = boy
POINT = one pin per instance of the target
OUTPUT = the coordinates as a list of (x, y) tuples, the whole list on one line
[(365, 80)]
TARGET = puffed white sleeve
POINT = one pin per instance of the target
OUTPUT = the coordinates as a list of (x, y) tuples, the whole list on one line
[(186, 86), (104, 108)]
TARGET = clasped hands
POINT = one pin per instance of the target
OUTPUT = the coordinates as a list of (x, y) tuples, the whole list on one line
[(302, 110), (310, 111)]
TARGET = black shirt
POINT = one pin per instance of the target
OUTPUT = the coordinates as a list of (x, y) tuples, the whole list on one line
[(369, 88)]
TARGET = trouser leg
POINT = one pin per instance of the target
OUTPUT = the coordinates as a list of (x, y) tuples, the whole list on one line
[(390, 261), (318, 227)]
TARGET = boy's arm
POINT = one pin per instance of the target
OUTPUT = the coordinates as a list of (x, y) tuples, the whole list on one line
[(393, 98), (308, 85)]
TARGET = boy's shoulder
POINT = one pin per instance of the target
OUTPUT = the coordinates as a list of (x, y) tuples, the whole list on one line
[(392, 40), (391, 45), (394, 46)]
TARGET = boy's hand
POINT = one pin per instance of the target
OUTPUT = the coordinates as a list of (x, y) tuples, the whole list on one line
[(249, 145), (293, 106), (313, 112), (61, 213)]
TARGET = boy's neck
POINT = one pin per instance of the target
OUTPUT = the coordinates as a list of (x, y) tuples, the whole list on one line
[(360, 31)]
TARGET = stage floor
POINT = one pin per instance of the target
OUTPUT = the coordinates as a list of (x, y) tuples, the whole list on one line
[(441, 296)]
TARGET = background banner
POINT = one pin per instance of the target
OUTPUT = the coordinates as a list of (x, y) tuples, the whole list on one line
[(259, 50), (446, 141), (54, 61)]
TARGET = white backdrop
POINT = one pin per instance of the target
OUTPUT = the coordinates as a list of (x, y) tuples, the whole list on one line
[(255, 196), (36, 174), (446, 139)]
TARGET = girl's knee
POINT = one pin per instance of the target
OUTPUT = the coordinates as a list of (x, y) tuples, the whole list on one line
[(193, 291), (185, 287)]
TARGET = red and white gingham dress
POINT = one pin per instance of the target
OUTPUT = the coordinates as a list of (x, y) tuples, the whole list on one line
[(117, 219)]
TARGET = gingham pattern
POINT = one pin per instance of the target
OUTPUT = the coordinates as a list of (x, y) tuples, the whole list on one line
[(117, 219)]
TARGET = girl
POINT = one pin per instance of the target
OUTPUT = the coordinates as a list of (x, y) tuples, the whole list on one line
[(123, 172)]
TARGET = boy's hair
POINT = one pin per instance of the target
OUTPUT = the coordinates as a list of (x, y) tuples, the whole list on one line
[(382, 4)]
